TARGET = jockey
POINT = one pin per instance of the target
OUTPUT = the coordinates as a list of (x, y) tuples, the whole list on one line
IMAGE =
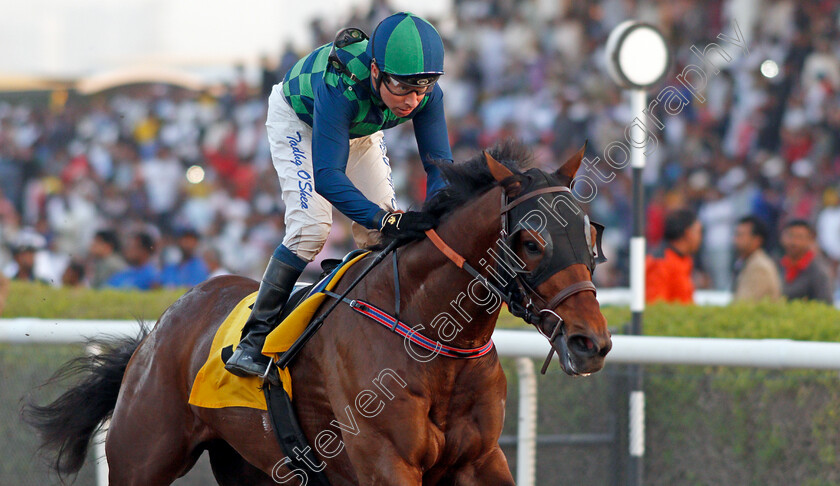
[(325, 123)]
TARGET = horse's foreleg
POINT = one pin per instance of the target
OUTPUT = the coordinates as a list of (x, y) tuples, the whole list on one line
[(492, 469), (384, 467), (230, 469)]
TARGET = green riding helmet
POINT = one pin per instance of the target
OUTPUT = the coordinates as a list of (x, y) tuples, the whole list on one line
[(407, 48)]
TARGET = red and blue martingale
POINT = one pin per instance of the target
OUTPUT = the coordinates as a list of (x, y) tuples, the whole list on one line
[(404, 330)]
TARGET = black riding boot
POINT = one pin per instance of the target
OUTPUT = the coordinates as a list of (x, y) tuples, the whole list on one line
[(276, 285)]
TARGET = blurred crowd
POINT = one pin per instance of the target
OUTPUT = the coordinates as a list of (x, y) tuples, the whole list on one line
[(761, 145)]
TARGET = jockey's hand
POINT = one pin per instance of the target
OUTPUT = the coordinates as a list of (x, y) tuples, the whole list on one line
[(410, 225)]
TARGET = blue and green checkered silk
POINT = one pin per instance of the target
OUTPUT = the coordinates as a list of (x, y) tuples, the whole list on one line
[(301, 83)]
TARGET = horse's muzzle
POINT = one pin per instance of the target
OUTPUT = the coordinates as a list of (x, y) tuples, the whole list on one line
[(586, 355), (579, 354)]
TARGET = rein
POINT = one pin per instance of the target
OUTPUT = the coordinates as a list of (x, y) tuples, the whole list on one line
[(510, 294), (380, 316), (508, 297)]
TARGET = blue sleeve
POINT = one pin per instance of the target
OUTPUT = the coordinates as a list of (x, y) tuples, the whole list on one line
[(330, 149), (432, 140)]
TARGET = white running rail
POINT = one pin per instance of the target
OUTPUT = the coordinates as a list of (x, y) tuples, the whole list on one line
[(523, 345)]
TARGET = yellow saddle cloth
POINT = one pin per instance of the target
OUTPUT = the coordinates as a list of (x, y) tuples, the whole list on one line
[(215, 387)]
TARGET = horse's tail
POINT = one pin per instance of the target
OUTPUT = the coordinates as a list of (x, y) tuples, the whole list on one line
[(67, 424)]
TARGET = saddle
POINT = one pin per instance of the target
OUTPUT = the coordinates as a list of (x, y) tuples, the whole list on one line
[(214, 387), (329, 267), (304, 304), (302, 290), (280, 409)]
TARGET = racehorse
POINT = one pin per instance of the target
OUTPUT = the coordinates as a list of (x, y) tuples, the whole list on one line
[(376, 409)]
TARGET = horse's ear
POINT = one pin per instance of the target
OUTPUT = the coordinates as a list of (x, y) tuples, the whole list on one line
[(571, 166), (499, 171), (505, 176)]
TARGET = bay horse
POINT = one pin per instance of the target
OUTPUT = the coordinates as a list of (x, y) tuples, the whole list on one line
[(440, 418)]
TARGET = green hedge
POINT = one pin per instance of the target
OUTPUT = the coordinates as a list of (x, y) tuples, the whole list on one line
[(785, 320), (806, 321), (800, 320), (44, 301), (705, 425)]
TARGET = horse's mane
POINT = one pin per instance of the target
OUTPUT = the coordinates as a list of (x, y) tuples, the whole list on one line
[(472, 178), (469, 179)]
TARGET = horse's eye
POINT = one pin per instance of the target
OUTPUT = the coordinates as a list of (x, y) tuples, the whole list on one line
[(532, 247)]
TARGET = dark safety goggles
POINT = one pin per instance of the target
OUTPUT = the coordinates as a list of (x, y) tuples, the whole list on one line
[(420, 86)]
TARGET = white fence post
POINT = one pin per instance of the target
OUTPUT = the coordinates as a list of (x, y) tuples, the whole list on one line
[(99, 439), (99, 452), (526, 433)]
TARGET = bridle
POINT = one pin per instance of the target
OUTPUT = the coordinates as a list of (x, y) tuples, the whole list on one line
[(516, 292)]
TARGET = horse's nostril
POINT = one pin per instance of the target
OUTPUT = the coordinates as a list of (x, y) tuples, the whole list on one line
[(583, 346)]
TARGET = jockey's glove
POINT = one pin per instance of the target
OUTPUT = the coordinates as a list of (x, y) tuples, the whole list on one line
[(409, 225)]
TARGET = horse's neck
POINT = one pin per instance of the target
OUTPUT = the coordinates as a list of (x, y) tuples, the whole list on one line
[(445, 296)]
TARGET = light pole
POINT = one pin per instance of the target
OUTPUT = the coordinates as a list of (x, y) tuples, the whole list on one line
[(637, 59)]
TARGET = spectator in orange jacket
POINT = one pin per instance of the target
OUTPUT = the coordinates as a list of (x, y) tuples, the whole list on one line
[(668, 270)]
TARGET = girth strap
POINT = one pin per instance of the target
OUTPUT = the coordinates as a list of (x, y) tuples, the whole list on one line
[(290, 435)]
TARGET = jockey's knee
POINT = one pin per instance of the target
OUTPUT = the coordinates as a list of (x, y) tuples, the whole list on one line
[(309, 241), (364, 237)]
